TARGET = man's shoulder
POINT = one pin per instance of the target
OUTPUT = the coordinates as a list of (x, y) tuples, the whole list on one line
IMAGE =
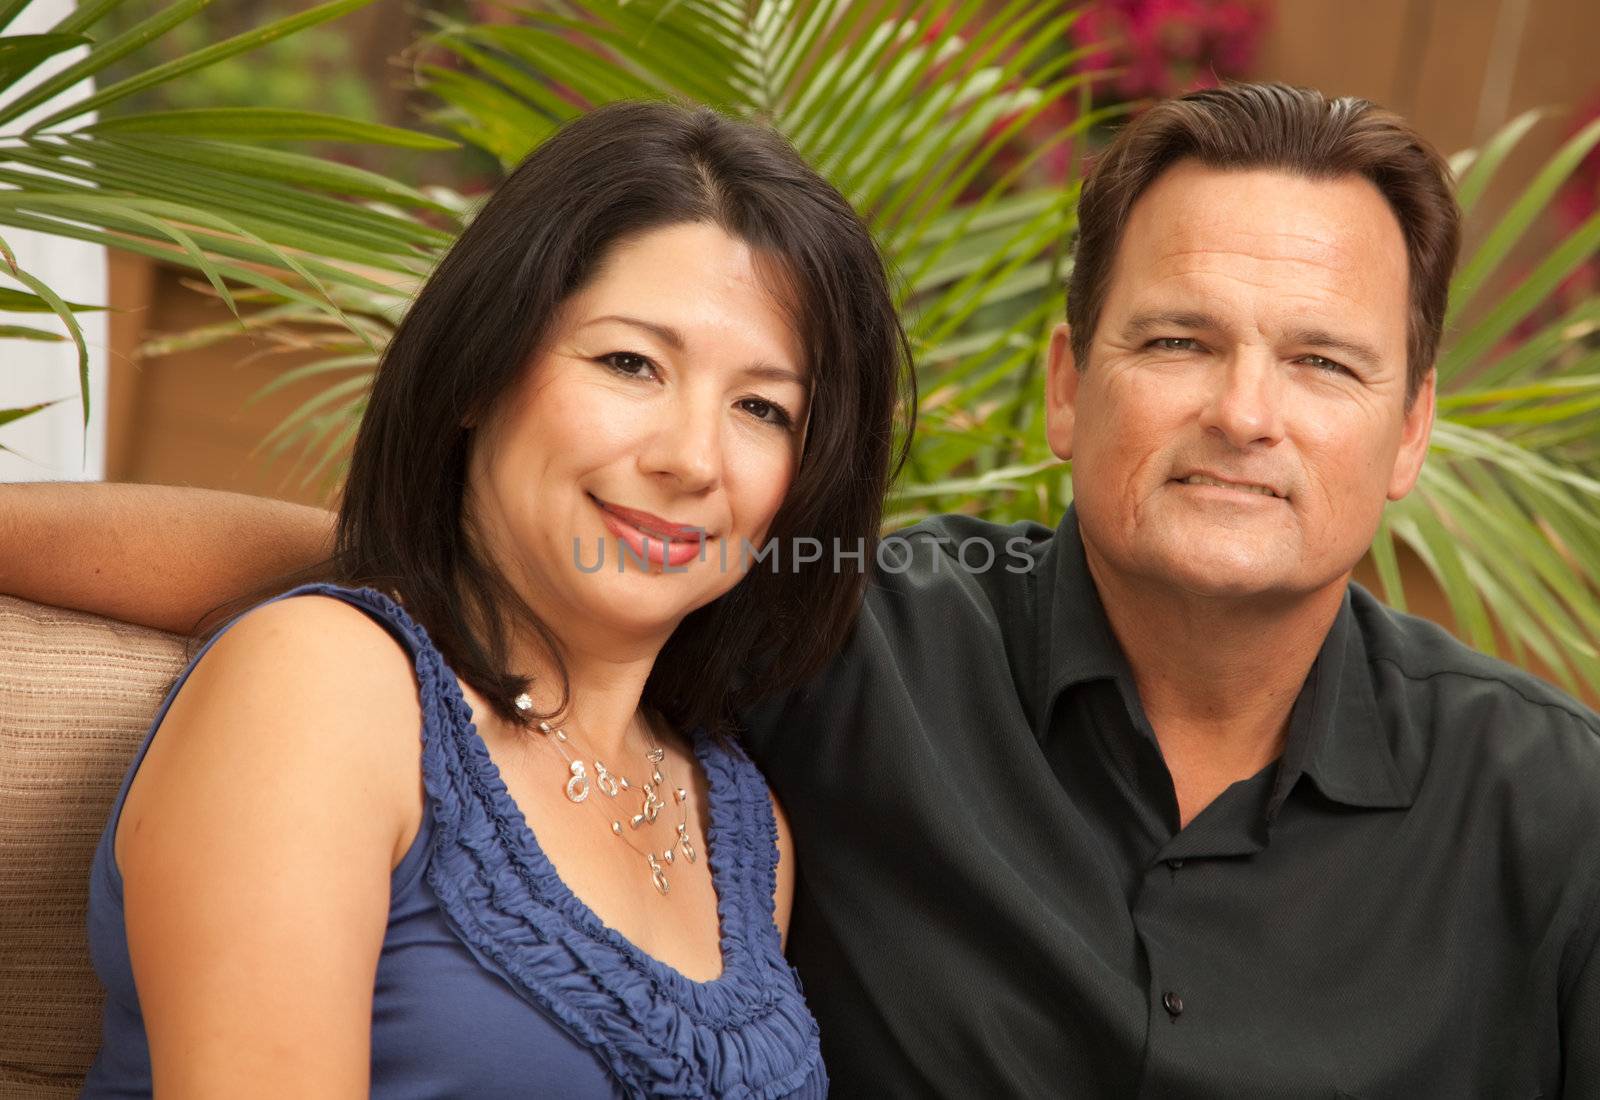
[(951, 602), (1485, 736), (1435, 664), (950, 553)]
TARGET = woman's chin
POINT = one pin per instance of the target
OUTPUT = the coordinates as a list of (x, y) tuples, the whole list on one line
[(639, 604)]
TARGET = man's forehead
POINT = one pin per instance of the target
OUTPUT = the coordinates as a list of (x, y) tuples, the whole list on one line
[(1272, 213), (1258, 228)]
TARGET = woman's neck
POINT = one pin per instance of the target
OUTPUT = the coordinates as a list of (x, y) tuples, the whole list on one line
[(605, 684)]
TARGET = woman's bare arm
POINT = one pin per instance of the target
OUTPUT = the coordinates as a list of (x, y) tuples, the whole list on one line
[(256, 846), (156, 555)]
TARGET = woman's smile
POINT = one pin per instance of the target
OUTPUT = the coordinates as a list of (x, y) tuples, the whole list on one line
[(651, 538)]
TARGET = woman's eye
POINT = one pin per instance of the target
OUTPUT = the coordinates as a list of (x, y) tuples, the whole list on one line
[(766, 411), (628, 363)]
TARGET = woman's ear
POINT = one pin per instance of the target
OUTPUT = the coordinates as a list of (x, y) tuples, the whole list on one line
[(1061, 393)]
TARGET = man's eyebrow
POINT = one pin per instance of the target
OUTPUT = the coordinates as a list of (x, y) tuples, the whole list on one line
[(1142, 324), (1318, 338), (665, 333)]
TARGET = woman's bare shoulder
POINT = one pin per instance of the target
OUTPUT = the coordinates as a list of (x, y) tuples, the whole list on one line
[(314, 666), (306, 697)]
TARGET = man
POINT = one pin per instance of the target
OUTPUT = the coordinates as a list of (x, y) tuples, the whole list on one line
[(1180, 811), (1161, 804)]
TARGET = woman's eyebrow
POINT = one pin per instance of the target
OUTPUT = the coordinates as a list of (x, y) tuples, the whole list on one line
[(665, 333), (775, 374), (674, 339)]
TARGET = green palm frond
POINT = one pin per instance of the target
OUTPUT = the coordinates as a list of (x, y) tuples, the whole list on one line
[(198, 188), (1507, 513)]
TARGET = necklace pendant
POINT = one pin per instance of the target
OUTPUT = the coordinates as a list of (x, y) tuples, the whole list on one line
[(635, 821), (605, 780), (524, 705), (684, 843), (682, 795), (666, 854), (658, 874), (652, 805), (578, 785), (656, 756)]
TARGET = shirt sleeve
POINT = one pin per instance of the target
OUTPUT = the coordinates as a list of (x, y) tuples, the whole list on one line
[(1580, 1023)]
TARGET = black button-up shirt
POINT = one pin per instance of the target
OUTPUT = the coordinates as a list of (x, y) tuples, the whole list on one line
[(996, 899)]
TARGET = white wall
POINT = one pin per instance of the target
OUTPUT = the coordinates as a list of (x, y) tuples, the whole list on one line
[(51, 445)]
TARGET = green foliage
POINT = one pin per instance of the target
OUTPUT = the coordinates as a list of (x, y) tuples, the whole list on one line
[(914, 112), (1507, 514), (200, 193), (310, 70)]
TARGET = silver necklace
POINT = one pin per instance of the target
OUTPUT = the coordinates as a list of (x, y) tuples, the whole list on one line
[(613, 785)]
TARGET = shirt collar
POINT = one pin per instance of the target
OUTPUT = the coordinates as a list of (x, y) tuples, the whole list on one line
[(1335, 735), (1076, 644)]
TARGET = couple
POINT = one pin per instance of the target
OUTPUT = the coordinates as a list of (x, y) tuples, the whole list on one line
[(1175, 810)]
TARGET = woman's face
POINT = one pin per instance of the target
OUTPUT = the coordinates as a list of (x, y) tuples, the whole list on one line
[(660, 423)]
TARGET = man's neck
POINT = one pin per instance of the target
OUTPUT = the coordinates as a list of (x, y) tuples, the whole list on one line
[(1217, 676)]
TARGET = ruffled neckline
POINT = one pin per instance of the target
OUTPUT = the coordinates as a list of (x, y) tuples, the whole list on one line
[(726, 867), (744, 1033)]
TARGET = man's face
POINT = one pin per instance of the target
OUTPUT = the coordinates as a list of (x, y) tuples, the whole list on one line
[(1242, 418)]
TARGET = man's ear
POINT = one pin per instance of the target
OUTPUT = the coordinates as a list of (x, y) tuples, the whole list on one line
[(1414, 436), (1061, 393)]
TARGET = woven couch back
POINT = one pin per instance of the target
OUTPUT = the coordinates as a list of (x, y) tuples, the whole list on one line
[(76, 697)]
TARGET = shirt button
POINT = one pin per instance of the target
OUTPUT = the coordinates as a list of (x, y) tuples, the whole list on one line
[(1172, 1003), (1174, 863)]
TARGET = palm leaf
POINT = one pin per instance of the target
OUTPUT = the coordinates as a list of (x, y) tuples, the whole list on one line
[(196, 188)]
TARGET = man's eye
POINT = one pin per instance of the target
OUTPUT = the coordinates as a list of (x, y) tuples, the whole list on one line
[(766, 411), (1321, 362), (1172, 343), (628, 363)]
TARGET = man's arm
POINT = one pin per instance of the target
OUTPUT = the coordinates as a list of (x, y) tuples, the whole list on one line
[(150, 554), (1580, 1029)]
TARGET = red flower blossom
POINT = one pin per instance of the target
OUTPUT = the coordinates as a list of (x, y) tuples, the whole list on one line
[(1167, 47)]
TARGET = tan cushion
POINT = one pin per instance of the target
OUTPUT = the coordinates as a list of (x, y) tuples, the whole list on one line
[(76, 697)]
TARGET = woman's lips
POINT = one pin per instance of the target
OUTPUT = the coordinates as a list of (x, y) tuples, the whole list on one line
[(651, 538)]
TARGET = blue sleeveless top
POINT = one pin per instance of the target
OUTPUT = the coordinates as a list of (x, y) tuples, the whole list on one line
[(495, 980)]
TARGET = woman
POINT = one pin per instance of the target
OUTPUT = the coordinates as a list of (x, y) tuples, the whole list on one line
[(661, 338)]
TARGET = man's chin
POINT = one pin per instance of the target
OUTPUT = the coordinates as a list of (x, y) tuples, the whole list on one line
[(1242, 574)]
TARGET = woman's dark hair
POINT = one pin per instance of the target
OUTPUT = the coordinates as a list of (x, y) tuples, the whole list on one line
[(468, 340)]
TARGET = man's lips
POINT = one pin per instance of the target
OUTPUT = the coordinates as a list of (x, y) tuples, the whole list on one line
[(1238, 485)]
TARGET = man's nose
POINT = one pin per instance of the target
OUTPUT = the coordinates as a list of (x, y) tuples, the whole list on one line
[(1245, 402)]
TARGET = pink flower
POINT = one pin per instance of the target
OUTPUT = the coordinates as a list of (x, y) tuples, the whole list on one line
[(1579, 197), (1167, 47)]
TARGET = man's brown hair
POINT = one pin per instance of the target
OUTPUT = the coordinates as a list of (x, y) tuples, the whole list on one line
[(1296, 130)]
